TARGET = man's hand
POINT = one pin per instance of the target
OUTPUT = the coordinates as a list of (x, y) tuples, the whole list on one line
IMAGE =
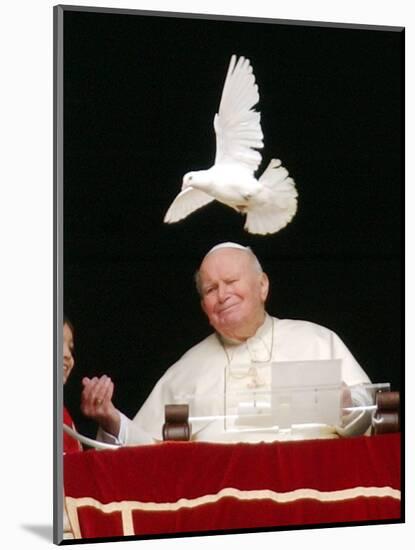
[(96, 403)]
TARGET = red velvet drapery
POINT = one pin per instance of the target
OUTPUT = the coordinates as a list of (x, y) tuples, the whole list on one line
[(177, 487)]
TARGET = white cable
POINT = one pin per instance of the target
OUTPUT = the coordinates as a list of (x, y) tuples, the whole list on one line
[(88, 441)]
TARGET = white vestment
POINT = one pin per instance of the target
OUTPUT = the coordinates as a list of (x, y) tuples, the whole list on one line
[(201, 372)]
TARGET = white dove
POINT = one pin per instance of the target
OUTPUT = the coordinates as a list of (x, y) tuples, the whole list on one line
[(269, 202)]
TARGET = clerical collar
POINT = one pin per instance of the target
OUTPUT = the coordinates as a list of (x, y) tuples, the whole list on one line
[(259, 346), (260, 333)]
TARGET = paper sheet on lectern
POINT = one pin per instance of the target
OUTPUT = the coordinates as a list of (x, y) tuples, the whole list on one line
[(282, 394)]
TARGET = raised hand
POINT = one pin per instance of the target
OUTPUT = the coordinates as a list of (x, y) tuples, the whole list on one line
[(96, 403)]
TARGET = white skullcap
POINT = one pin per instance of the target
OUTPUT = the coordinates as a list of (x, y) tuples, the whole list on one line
[(227, 245)]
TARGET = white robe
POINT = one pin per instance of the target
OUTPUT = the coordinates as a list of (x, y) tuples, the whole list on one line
[(201, 372)]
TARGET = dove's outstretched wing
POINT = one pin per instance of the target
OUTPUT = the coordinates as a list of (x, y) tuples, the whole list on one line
[(187, 201), (237, 126)]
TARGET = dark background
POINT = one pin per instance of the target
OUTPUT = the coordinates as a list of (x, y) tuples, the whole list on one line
[(140, 94)]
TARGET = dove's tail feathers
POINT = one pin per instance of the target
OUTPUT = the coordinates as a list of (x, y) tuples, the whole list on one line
[(275, 178), (186, 202), (262, 221), (280, 201)]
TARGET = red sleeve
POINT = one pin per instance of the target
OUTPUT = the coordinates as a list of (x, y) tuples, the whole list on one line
[(70, 445)]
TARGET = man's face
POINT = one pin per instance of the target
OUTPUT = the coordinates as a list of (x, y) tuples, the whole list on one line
[(233, 293)]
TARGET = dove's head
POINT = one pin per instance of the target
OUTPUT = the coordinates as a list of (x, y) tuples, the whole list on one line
[(187, 180), (199, 179)]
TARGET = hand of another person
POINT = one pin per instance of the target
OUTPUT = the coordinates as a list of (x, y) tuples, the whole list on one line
[(96, 403)]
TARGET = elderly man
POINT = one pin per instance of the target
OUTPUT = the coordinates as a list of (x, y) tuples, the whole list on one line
[(233, 290)]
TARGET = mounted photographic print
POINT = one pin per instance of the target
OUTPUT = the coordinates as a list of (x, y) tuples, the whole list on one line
[(228, 276)]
